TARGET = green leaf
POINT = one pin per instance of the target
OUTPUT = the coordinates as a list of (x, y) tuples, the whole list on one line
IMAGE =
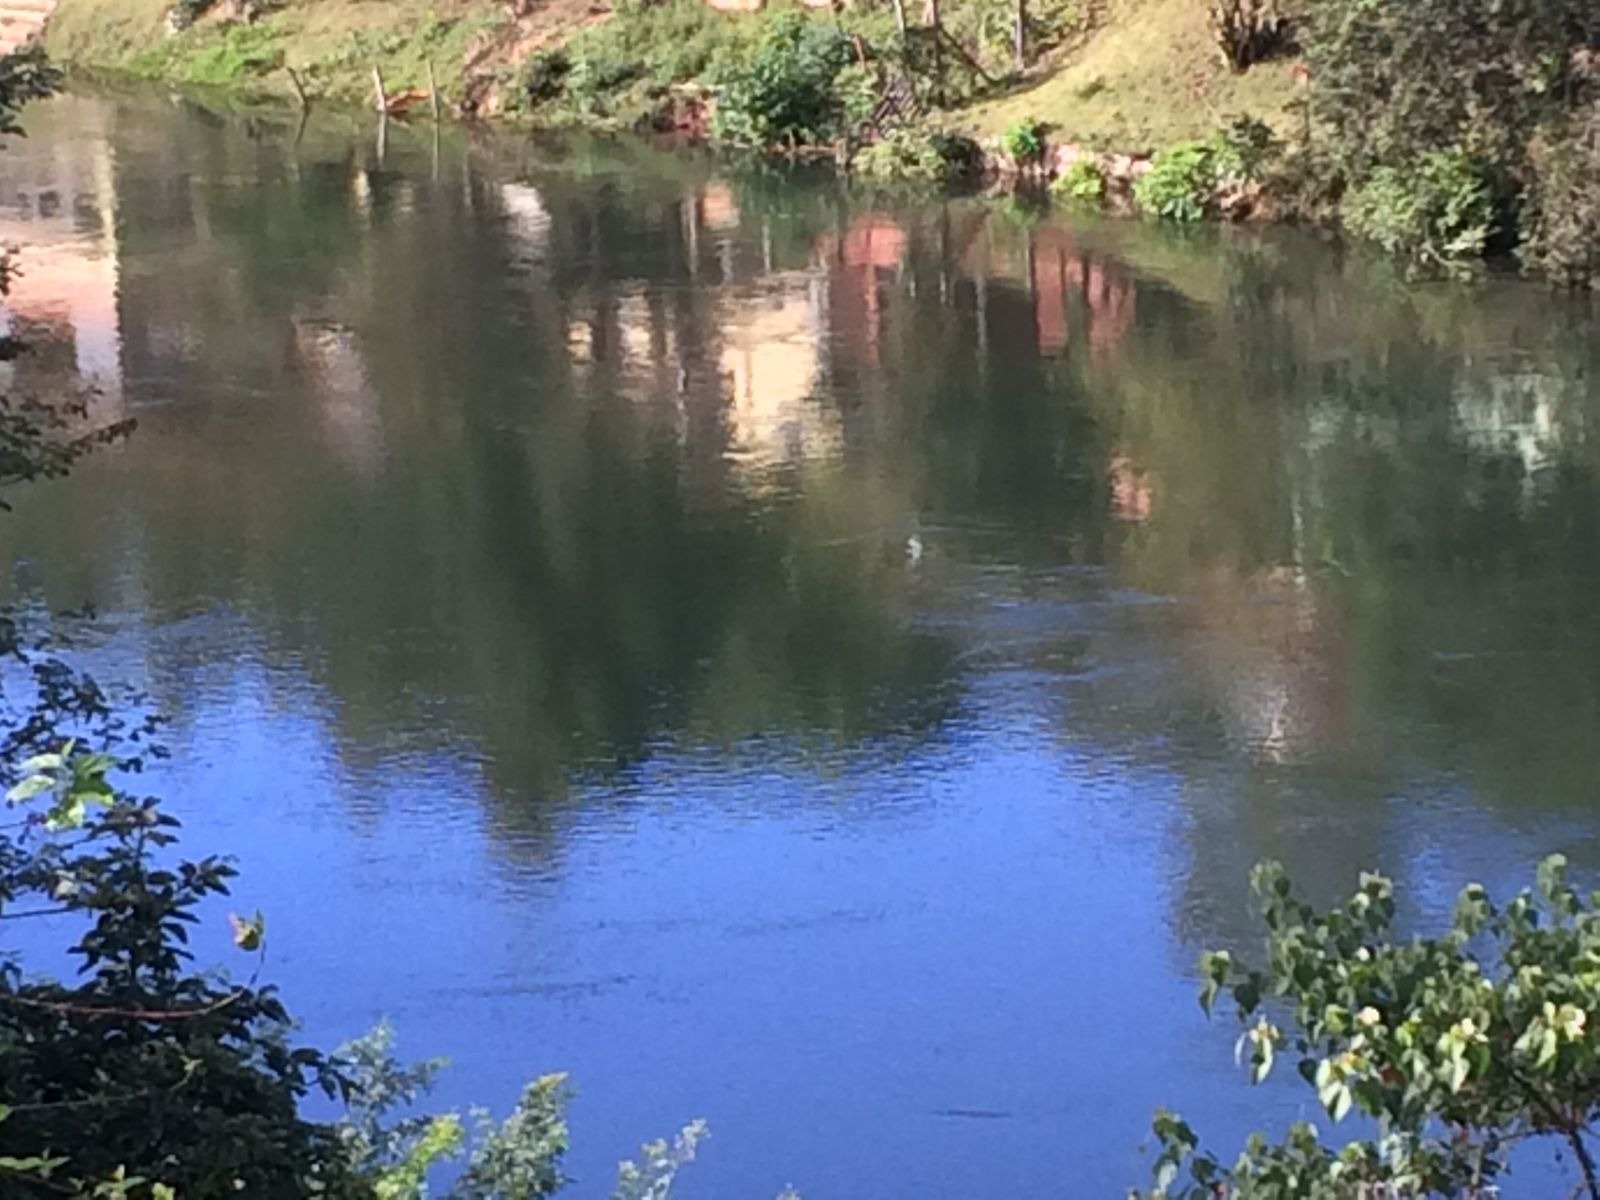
[(1549, 1046), (1340, 1107), (27, 789), (41, 763)]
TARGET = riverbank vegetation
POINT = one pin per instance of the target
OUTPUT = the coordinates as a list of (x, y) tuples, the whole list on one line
[(1461, 1048), (250, 48), (1439, 136)]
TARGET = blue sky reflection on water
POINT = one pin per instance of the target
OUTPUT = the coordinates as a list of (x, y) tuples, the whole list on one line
[(815, 663)]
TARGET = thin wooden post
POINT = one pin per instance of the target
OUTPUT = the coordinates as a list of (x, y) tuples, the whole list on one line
[(938, 51), (377, 86), (1021, 35), (433, 91), (900, 19)]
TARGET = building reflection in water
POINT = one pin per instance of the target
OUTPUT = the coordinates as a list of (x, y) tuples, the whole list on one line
[(58, 209), (1062, 278)]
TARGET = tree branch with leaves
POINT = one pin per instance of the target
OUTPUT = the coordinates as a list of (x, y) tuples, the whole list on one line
[(1460, 1047)]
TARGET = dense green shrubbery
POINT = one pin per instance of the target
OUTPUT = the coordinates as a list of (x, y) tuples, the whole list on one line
[(916, 155), (620, 70), (1459, 1048), (1560, 219), (142, 1065), (1439, 213), (1023, 140), (214, 56), (780, 77), (1181, 184), (1395, 81), (1244, 151), (1188, 180), (784, 93), (545, 76), (1083, 181), (1430, 86)]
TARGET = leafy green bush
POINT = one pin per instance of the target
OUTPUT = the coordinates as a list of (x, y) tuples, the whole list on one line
[(1181, 183), (1560, 219), (1082, 181), (1394, 82), (856, 91), (1459, 1047), (1023, 139), (1438, 214), (913, 155), (519, 1158), (545, 76), (784, 92), (594, 79), (25, 75), (214, 55), (618, 70), (142, 1066), (1243, 150)]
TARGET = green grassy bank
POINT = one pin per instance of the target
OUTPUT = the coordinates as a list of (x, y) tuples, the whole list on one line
[(332, 44), (1134, 75)]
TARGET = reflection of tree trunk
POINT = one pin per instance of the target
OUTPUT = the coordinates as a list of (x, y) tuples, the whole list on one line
[(980, 285), (944, 257)]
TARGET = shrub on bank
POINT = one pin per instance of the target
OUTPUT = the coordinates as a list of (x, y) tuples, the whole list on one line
[(1181, 184), (1023, 140), (1406, 95), (1082, 182), (1560, 219), (619, 71), (915, 155), (1244, 151), (1439, 214), (784, 93)]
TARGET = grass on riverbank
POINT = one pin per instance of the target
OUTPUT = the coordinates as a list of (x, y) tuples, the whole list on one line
[(1149, 75), (334, 46)]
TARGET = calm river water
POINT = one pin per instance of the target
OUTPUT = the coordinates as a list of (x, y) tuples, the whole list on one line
[(817, 661)]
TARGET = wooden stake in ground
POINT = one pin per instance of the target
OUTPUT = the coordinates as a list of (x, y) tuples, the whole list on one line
[(377, 85), (1021, 35), (433, 90)]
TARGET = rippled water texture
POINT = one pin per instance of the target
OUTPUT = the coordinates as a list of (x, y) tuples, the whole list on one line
[(814, 661)]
